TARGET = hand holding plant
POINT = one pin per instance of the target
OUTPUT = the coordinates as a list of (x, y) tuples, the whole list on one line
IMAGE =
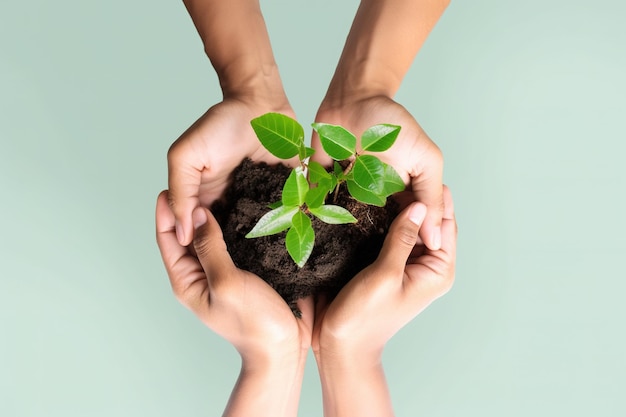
[(417, 159), (201, 160)]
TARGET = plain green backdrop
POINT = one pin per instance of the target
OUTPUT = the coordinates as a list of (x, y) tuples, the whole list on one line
[(526, 100)]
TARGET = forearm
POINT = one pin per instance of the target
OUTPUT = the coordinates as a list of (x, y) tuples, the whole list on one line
[(354, 387), (243, 59), (271, 389), (382, 43)]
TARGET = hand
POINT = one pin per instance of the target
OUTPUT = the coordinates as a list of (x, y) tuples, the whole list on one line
[(389, 293), (201, 160), (416, 158), (243, 309), (350, 333)]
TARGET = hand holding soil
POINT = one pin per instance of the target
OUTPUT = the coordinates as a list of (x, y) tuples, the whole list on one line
[(414, 155), (350, 333), (202, 159), (241, 308)]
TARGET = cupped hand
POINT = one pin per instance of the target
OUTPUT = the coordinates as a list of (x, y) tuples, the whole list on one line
[(236, 304), (414, 155), (201, 160), (385, 296)]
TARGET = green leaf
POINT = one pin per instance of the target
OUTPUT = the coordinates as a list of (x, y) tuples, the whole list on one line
[(338, 170), (380, 137), (305, 152), (368, 172), (281, 135), (273, 222), (295, 188), (300, 239), (316, 196), (275, 205), (333, 214), (338, 143), (317, 172), (365, 196), (392, 181)]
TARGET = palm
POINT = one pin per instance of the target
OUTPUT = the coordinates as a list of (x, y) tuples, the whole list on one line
[(414, 156), (202, 159), (409, 152)]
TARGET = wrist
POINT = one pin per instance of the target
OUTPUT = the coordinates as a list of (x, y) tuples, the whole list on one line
[(249, 80), (365, 79), (271, 384), (352, 385)]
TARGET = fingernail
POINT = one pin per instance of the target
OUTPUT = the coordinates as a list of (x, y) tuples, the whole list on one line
[(180, 233), (436, 239), (198, 217), (417, 214)]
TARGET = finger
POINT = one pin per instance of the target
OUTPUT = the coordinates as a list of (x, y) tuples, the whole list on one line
[(402, 237), (449, 228), (433, 272), (184, 176), (184, 271), (427, 188), (210, 247)]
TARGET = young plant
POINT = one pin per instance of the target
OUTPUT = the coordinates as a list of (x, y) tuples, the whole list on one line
[(368, 179)]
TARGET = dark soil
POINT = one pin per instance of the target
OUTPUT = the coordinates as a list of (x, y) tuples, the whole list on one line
[(340, 251)]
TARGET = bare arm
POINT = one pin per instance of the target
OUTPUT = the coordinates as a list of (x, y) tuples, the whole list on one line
[(383, 41), (236, 41)]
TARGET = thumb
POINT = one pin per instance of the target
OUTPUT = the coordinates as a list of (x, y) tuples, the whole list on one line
[(209, 244), (402, 237)]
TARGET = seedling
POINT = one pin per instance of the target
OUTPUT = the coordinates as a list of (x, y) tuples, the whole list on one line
[(309, 185)]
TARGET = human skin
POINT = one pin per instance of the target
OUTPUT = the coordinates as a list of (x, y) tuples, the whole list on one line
[(350, 332), (382, 43), (202, 158), (244, 310), (347, 335)]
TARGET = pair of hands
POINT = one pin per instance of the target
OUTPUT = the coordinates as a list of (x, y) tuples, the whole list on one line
[(245, 310), (348, 334)]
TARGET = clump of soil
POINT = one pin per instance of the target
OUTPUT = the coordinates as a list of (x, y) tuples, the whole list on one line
[(340, 251)]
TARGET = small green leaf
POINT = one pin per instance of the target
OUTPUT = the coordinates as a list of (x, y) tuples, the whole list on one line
[(368, 172), (379, 138), (305, 152), (295, 188), (338, 170), (333, 183), (317, 172), (392, 181), (363, 195), (281, 135), (275, 205), (333, 214), (316, 196), (273, 222), (300, 239), (338, 143)]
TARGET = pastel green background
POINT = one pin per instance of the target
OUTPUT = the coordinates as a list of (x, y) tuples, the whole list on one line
[(526, 100)]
